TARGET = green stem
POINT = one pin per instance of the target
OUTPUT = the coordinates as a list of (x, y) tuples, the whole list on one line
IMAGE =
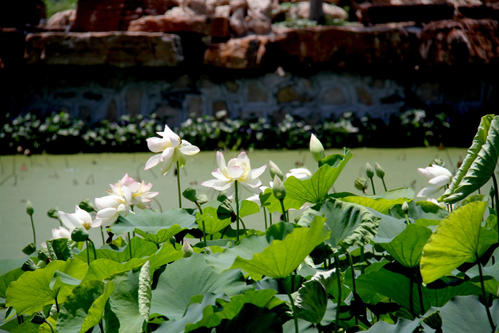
[(93, 248), (178, 186), (338, 278), (411, 300), (50, 325), (270, 218), (130, 245), (384, 185), (56, 304), (283, 211), (265, 217), (407, 221), (88, 253), (102, 235), (489, 316), (372, 185), (33, 228), (294, 313), (420, 293), (204, 226), (237, 211), (101, 327), (496, 198), (350, 263)]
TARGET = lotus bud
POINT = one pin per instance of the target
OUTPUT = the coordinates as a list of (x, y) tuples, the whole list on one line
[(52, 213), (29, 208), (275, 171), (360, 184), (187, 248), (316, 148), (38, 318), (278, 188), (369, 170), (379, 170), (79, 234), (405, 207), (29, 249)]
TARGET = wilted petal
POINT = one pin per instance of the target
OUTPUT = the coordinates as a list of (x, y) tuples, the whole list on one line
[(152, 161), (157, 145)]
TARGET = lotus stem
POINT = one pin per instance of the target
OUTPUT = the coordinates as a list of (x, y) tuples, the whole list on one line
[(178, 186), (411, 296), (283, 211), (384, 185), (56, 304), (338, 278), (420, 293), (484, 294), (294, 313), (350, 262), (130, 245), (496, 198), (270, 218), (50, 325), (93, 248), (372, 185), (102, 235), (265, 217), (33, 229), (88, 253), (204, 226), (237, 210)]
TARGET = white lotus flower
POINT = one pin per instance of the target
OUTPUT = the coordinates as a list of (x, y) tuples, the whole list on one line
[(437, 178), (238, 169), (171, 149), (61, 232), (316, 148), (111, 206), (80, 218), (135, 193)]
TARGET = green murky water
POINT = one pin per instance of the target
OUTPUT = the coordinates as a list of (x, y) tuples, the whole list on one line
[(61, 181)]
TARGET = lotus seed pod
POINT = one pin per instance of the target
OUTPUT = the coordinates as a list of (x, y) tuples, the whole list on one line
[(369, 170), (316, 148), (379, 170)]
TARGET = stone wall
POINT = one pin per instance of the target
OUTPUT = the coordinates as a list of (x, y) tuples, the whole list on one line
[(98, 94)]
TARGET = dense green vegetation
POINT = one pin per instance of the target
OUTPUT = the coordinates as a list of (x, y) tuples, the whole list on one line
[(54, 6), (340, 263)]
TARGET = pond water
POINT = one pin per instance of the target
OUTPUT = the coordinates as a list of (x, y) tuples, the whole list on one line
[(61, 181)]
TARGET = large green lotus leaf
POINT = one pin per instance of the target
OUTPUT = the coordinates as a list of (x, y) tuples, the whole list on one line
[(152, 222), (397, 193), (103, 269), (140, 248), (124, 302), (316, 188), (187, 278), (350, 224), (33, 290), (396, 287), (311, 301), (248, 208), (402, 326), (280, 258), (378, 204), (166, 254), (162, 235), (246, 249), (389, 227), (7, 278), (228, 310), (466, 314), (273, 205), (84, 307), (211, 221), (480, 161), (407, 247), (455, 242)]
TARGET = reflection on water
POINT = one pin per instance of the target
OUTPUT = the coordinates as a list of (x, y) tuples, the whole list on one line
[(61, 181)]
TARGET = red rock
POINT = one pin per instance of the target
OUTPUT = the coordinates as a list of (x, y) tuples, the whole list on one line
[(460, 42), (237, 53), (61, 20), (120, 49), (180, 20)]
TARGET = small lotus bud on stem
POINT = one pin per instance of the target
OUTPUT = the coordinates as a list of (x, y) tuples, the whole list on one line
[(405, 209), (316, 148), (370, 175), (187, 248), (30, 211), (278, 188), (275, 171), (29, 208), (380, 172), (360, 184)]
